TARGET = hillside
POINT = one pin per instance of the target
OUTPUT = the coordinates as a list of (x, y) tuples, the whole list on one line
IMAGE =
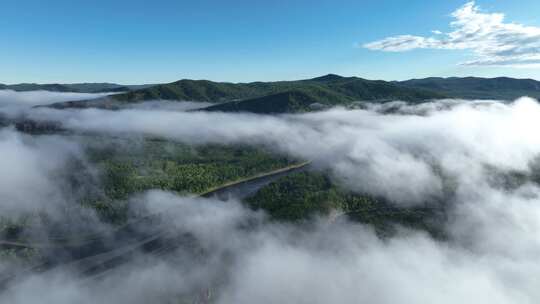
[(478, 88), (303, 195), (285, 102), (323, 92), (328, 90), (104, 87)]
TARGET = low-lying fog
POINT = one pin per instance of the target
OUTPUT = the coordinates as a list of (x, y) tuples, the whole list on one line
[(410, 154), (34, 98)]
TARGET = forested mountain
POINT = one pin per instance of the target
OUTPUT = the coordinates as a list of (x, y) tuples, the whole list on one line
[(267, 97), (295, 96), (478, 88)]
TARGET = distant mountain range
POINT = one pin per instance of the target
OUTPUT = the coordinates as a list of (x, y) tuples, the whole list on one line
[(74, 87), (478, 88), (298, 96)]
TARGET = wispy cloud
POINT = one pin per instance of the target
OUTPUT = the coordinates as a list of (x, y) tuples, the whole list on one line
[(494, 41)]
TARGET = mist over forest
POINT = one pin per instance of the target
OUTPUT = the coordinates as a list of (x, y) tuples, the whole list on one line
[(162, 202)]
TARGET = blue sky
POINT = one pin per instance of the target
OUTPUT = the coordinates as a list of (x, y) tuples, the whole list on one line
[(139, 41)]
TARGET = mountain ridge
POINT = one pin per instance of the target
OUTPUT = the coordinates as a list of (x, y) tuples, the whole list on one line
[(330, 90), (505, 88), (83, 87), (323, 91)]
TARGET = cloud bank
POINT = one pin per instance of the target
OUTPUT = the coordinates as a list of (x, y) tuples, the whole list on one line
[(494, 41), (339, 263), (368, 151), (480, 159), (35, 162)]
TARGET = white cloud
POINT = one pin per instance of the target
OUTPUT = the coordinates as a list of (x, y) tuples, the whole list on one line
[(31, 166), (493, 41)]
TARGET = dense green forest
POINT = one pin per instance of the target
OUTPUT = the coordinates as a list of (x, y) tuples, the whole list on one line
[(161, 164), (304, 195)]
